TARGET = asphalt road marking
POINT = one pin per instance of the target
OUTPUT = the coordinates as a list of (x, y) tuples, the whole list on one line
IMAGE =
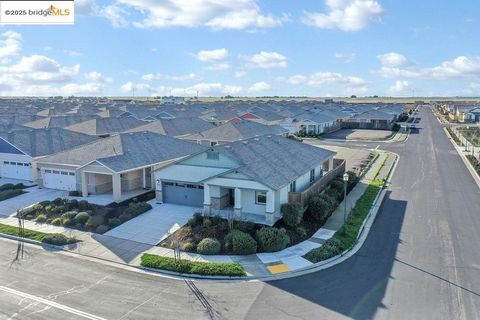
[(51, 303)]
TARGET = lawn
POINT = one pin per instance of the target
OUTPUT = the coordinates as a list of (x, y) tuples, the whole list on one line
[(29, 234)]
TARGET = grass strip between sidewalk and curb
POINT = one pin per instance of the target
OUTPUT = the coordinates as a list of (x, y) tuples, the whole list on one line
[(343, 241), (29, 234), (230, 269)]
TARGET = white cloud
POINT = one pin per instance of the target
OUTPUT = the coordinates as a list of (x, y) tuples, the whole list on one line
[(73, 53), (400, 88), (217, 58), (240, 74), (346, 57), (346, 15), (340, 83), (10, 45), (160, 76), (459, 67), (97, 77), (259, 86), (203, 89), (116, 15), (265, 60), (214, 14), (392, 59), (85, 7)]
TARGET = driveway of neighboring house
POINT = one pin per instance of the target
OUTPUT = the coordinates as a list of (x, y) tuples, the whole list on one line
[(33, 195), (154, 225)]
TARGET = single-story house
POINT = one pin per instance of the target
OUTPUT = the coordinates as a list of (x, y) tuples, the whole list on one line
[(473, 115), (247, 177), (234, 131), (119, 163), (310, 123), (20, 149), (373, 119), (176, 127)]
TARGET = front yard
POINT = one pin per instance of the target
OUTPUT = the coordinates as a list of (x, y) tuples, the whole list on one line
[(216, 235), (472, 135), (84, 216)]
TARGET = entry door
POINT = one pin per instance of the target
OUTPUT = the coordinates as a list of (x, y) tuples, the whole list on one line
[(148, 178)]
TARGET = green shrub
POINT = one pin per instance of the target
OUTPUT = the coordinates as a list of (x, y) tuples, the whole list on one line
[(272, 239), (67, 222), (69, 215), (337, 185), (57, 239), (329, 249), (7, 194), (83, 205), (207, 223), (292, 214), (81, 218), (209, 246), (302, 233), (57, 222), (192, 267), (238, 242), (58, 201), (102, 229), (245, 226), (195, 220), (114, 222), (73, 203), (28, 211), (44, 203), (94, 221), (41, 218), (334, 194), (319, 209), (7, 186), (188, 247), (20, 186), (125, 217), (136, 209)]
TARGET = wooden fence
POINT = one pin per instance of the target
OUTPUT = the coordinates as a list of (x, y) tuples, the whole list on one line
[(318, 186)]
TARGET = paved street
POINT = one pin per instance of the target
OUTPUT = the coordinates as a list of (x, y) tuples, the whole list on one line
[(420, 261)]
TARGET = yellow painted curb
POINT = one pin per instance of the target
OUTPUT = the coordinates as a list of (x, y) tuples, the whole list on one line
[(278, 268)]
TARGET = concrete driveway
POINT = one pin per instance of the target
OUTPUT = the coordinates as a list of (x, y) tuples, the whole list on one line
[(154, 225), (33, 195)]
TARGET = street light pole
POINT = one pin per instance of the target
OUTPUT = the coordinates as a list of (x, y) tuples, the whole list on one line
[(345, 180)]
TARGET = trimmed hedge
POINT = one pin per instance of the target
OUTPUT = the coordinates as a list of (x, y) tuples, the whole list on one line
[(136, 209), (192, 267), (272, 239), (10, 193), (292, 214), (57, 239), (209, 246), (320, 208)]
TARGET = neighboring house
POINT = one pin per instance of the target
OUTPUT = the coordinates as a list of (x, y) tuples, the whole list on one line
[(234, 131), (104, 127), (58, 121), (269, 118), (373, 119), (473, 115), (310, 123), (120, 163), (19, 150), (177, 127), (248, 177)]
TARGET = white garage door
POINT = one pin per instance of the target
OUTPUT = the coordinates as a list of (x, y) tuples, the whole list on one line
[(59, 179), (17, 170)]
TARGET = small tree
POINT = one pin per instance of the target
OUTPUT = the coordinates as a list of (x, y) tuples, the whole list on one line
[(319, 208), (272, 239), (292, 214)]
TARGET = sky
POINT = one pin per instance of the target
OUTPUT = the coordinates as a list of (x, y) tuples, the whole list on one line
[(323, 48)]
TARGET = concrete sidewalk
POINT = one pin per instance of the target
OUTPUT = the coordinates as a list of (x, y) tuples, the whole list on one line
[(126, 251)]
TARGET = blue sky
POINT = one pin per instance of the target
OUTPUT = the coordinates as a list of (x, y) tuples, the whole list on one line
[(249, 48)]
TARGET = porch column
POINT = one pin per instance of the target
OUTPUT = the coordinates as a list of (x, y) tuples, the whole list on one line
[(237, 209), (270, 207), (207, 202), (158, 191), (330, 164), (117, 187), (84, 184)]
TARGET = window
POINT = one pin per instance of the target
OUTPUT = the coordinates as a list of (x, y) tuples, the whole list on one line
[(192, 186), (56, 172), (13, 163), (48, 171), (200, 187), (293, 186), (213, 143), (213, 155), (168, 183), (180, 185), (6, 162), (19, 164), (64, 173), (312, 176), (260, 197), (71, 173)]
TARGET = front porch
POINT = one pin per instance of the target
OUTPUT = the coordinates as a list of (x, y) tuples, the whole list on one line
[(105, 187), (241, 203)]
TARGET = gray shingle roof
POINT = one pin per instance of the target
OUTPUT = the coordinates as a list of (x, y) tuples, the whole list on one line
[(106, 125), (127, 151), (274, 161), (175, 127), (42, 142)]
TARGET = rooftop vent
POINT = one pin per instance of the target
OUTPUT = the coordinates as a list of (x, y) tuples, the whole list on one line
[(228, 147), (245, 142)]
